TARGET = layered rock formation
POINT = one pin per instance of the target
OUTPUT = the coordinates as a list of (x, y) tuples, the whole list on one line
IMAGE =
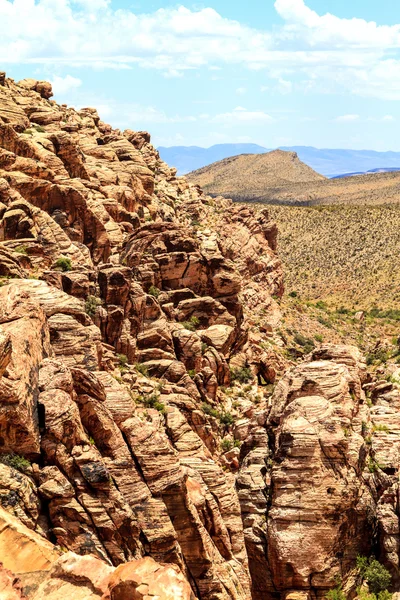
[(136, 316)]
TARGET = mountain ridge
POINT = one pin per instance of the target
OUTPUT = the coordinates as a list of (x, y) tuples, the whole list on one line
[(329, 162), (277, 178)]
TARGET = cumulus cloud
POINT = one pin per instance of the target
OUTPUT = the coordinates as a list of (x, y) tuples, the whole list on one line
[(321, 51), (242, 115), (170, 39), (314, 29), (62, 85)]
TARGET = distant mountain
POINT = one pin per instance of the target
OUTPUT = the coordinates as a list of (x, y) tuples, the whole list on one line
[(280, 177), (190, 158), (255, 177), (330, 163), (371, 172)]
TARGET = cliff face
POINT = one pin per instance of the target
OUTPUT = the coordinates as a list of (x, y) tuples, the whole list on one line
[(136, 316)]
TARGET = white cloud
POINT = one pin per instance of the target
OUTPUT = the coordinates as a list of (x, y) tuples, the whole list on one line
[(241, 91), (242, 115), (284, 87), (314, 52), (169, 39), (347, 118), (316, 29), (62, 85)]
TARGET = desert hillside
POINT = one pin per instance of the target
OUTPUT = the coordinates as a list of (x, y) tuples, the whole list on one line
[(348, 254), (249, 177), (170, 425), (279, 177)]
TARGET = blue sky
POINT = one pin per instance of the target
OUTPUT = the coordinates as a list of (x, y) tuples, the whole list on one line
[(275, 72)]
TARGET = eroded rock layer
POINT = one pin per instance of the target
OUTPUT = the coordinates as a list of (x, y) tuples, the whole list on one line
[(137, 426)]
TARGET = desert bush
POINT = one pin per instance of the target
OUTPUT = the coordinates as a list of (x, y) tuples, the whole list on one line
[(209, 410), (142, 369), (63, 264), (91, 305), (226, 444), (123, 361), (15, 461), (226, 418), (192, 324), (241, 374), (154, 291), (21, 250), (152, 401)]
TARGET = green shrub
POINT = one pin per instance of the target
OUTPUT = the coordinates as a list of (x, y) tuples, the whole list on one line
[(142, 369), (154, 291), (375, 574), (192, 373), (304, 341), (21, 250), (226, 418), (324, 321), (385, 595), (391, 313), (204, 347), (64, 264), (226, 444), (373, 465), (293, 294), (321, 305), (336, 594), (241, 374), (91, 305), (39, 129), (192, 324), (380, 427), (318, 338), (379, 355), (152, 401), (209, 410), (123, 361), (15, 461)]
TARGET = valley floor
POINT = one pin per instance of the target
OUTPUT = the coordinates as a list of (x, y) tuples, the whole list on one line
[(342, 280)]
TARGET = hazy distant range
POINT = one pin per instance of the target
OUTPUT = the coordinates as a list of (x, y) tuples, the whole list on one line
[(331, 163)]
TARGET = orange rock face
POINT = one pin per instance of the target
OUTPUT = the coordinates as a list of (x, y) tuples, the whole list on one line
[(135, 439)]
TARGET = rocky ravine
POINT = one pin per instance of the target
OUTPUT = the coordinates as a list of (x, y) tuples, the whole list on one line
[(126, 298)]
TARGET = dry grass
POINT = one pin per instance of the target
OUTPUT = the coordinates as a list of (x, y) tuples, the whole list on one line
[(343, 254), (339, 260)]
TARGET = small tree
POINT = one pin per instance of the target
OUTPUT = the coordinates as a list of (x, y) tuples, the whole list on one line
[(375, 574)]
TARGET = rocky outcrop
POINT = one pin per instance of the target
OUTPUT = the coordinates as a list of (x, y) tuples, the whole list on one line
[(139, 440), (33, 569), (107, 261)]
